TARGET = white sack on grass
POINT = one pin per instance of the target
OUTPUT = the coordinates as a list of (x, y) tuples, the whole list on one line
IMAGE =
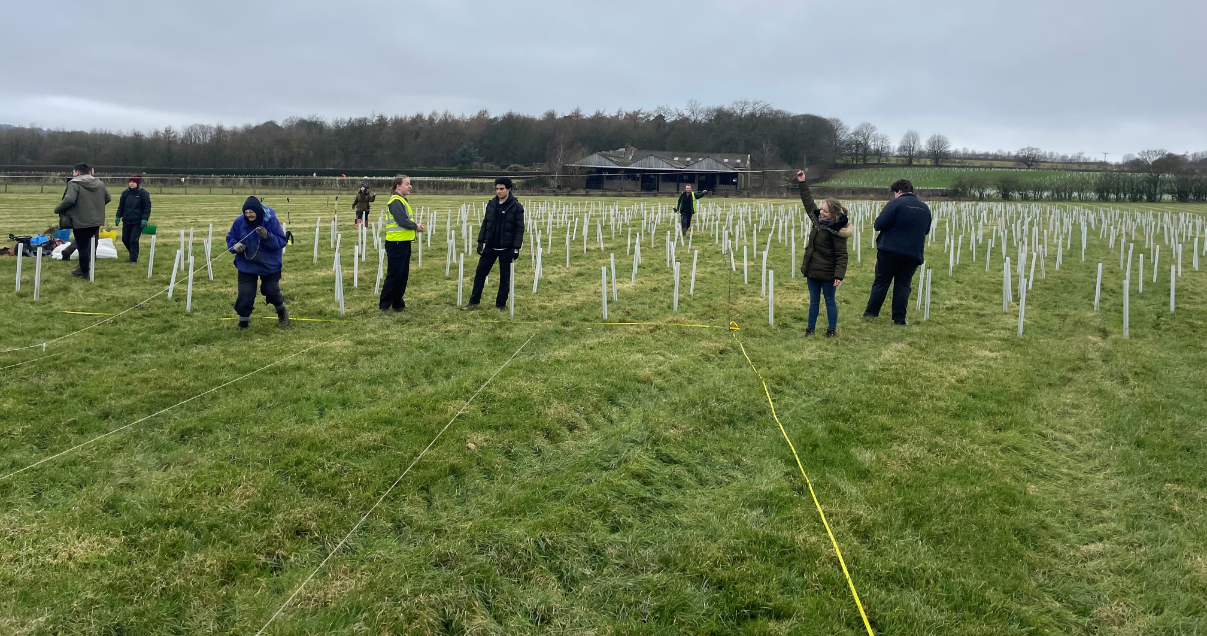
[(104, 249)]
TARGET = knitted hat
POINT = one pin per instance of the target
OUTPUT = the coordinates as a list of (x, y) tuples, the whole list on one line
[(136, 178)]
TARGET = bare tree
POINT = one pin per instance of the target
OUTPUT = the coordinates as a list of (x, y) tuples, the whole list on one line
[(1028, 156), (910, 146), (938, 149), (861, 140), (881, 146)]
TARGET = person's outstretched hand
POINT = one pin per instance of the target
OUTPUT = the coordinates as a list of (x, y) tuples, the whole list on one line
[(238, 248), (800, 176), (262, 232)]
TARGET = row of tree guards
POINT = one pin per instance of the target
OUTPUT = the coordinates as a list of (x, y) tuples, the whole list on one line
[(1037, 234)]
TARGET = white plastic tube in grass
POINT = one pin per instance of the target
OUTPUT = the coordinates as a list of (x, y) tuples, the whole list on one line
[(92, 262), (675, 300), (1098, 288), (691, 291), (1172, 283), (175, 268), (151, 257), (763, 274), (188, 294), (929, 277), (612, 264), (460, 276), (20, 258), (771, 297), (1127, 282), (355, 266), (511, 290), (603, 290), (38, 272), (1022, 307), (745, 269)]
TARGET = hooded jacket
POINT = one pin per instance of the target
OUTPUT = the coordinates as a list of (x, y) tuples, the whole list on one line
[(263, 255), (362, 201), (134, 206), (826, 252), (83, 204), (903, 225), (686, 204), (503, 225)]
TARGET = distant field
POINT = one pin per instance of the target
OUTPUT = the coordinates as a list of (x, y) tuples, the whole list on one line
[(924, 177)]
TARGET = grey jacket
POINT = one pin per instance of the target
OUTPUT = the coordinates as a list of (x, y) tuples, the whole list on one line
[(84, 203)]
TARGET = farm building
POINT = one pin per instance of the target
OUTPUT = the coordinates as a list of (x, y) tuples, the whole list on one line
[(631, 170)]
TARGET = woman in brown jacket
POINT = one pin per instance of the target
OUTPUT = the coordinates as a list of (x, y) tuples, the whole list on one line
[(825, 262)]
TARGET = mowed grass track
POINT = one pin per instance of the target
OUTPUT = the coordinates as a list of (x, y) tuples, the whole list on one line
[(610, 479)]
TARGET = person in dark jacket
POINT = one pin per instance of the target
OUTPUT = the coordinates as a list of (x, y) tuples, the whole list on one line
[(256, 239), (500, 238), (825, 262), (133, 209), (903, 225), (83, 210), (686, 207), (362, 204)]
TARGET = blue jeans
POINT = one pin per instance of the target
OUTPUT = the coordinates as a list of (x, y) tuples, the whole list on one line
[(825, 287)]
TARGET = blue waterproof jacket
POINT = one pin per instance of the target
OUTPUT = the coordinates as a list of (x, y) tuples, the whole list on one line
[(263, 255), (903, 225)]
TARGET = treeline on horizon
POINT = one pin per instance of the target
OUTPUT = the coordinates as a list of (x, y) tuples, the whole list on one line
[(772, 137)]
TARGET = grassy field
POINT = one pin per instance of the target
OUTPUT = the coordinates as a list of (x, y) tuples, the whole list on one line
[(928, 177), (609, 479)]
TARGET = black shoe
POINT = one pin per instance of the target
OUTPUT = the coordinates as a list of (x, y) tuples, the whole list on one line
[(867, 317), (78, 273), (469, 307), (809, 331), (901, 323), (401, 309), (830, 333), (503, 308), (282, 316), (244, 324)]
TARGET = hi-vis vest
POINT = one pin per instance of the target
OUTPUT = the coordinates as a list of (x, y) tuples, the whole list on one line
[(393, 232), (692, 204)]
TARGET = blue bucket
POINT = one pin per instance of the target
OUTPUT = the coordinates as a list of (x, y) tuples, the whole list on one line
[(63, 235)]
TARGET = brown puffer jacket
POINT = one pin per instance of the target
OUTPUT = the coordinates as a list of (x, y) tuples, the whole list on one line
[(826, 251), (362, 201)]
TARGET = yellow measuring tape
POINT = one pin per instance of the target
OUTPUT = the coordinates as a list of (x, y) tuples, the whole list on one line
[(833, 541), (87, 313)]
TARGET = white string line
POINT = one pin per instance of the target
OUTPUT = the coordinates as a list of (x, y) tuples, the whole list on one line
[(30, 361), (390, 489), (161, 411), (101, 322)]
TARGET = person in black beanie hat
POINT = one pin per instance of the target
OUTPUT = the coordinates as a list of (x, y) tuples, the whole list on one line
[(361, 204), (256, 239), (133, 209)]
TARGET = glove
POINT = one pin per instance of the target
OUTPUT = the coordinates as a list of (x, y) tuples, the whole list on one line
[(238, 248), (144, 223), (515, 253), (481, 248), (118, 221), (262, 232)]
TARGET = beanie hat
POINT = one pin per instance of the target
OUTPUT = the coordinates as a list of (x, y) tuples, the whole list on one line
[(253, 204), (136, 178)]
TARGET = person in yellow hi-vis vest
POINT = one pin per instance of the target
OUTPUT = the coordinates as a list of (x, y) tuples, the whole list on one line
[(400, 232)]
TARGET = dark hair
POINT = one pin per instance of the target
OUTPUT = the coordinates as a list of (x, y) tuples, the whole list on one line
[(398, 181), (505, 182), (902, 185), (82, 168)]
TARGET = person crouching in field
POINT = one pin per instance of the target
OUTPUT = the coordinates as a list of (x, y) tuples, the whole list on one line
[(256, 239), (361, 204), (500, 238), (825, 262)]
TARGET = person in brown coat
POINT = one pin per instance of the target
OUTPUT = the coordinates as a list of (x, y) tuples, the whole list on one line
[(361, 204), (825, 262)]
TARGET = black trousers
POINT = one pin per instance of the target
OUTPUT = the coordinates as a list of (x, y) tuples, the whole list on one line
[(487, 262), (83, 243), (131, 234), (270, 286), (896, 270), (398, 271), (686, 221)]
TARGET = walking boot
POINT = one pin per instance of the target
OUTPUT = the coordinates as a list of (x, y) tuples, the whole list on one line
[(830, 333), (244, 323), (282, 316)]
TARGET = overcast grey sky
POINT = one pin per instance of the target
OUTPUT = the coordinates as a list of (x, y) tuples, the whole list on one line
[(1096, 76)]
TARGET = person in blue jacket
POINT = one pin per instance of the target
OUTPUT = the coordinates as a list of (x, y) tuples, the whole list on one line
[(256, 239)]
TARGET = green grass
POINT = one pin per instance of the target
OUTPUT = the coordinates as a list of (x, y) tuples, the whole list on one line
[(930, 177), (611, 479)]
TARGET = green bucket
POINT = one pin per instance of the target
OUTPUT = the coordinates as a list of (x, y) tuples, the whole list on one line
[(150, 229)]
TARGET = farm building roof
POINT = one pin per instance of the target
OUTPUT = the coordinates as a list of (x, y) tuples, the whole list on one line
[(633, 159)]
